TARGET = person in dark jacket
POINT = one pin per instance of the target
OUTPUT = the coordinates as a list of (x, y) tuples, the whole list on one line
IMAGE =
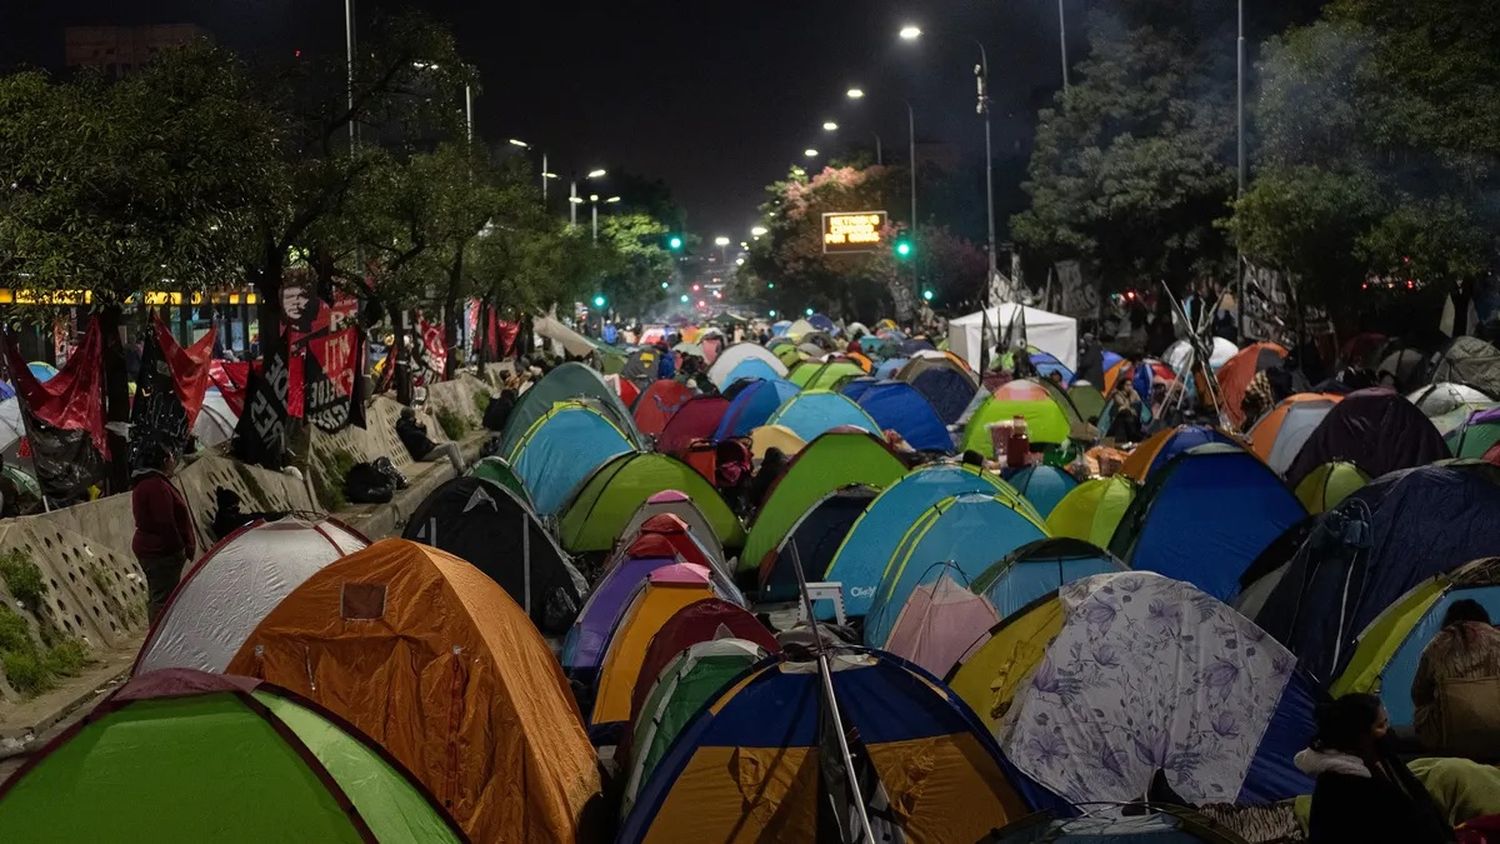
[(413, 435), (1363, 792), (498, 411), (772, 466), (164, 539)]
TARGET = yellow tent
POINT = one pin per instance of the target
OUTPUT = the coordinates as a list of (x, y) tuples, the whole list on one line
[(774, 436), (1092, 510), (988, 677), (1329, 484), (669, 589)]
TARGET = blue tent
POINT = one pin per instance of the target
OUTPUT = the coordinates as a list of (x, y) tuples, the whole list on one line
[(1046, 363), (870, 343), (1364, 554), (1205, 517), (1182, 438), (889, 367), (856, 387), (812, 412), (822, 323), (816, 536), (1039, 568), (947, 390), (1043, 486), (562, 450), (966, 531), (1109, 359), (751, 368), (897, 405), (754, 403)]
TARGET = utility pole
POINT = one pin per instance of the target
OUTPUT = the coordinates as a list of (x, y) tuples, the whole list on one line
[(1062, 41), (982, 81)]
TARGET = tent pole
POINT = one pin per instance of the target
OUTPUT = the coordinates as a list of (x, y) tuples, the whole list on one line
[(826, 673), (526, 562)]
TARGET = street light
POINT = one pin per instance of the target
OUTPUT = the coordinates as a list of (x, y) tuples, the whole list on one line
[(521, 144), (596, 173), (810, 152), (830, 126), (721, 241), (855, 93), (758, 231), (573, 195), (611, 200), (910, 32)]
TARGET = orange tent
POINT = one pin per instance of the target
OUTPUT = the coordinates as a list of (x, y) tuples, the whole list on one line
[(669, 589), (1263, 434), (434, 661), (1235, 375)]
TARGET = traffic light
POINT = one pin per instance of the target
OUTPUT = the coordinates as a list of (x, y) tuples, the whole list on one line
[(683, 298), (599, 300), (809, 311), (674, 243), (771, 313), (903, 248), (664, 285), (927, 294)]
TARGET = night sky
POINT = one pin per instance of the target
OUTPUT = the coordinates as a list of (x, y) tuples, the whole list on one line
[(717, 98)]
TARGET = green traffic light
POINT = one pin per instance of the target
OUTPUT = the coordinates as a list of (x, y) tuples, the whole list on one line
[(683, 298), (903, 248), (675, 242), (927, 295), (599, 300), (664, 285)]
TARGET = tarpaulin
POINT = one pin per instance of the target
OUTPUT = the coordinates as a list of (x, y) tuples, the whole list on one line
[(189, 366), (73, 399)]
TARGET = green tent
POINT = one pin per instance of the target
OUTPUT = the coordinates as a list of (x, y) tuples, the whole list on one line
[(829, 375), (604, 504), (496, 470), (834, 460), (689, 682), (180, 755), (1087, 399), (572, 380)]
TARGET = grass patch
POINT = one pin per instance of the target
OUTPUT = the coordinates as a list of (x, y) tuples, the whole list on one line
[(32, 668), (481, 401), (252, 485), (328, 480), (23, 578), (454, 425)]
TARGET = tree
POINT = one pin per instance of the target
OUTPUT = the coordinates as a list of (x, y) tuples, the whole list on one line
[(1131, 166), (133, 186), (635, 261)]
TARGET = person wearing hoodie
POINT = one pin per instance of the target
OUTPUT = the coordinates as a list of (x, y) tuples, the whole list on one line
[(164, 539), (1363, 792)]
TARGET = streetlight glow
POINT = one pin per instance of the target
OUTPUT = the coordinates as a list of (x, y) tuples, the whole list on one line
[(521, 144), (855, 93), (739, 262), (593, 197), (810, 152), (664, 285), (910, 32), (551, 176), (830, 126), (596, 174), (683, 298), (721, 241), (576, 200), (758, 231), (612, 199)]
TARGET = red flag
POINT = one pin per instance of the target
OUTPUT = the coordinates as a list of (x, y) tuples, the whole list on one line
[(73, 399), (232, 378), (189, 366), (433, 341)]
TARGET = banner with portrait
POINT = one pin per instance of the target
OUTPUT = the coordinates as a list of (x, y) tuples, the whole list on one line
[(326, 352)]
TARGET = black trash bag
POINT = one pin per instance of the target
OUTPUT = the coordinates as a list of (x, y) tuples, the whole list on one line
[(366, 484), (389, 470)]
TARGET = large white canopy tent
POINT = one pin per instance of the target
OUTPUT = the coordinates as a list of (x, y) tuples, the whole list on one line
[(1054, 334)]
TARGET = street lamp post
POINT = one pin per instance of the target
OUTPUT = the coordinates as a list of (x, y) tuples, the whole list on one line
[(573, 200), (722, 242), (1062, 41), (545, 175), (349, 61)]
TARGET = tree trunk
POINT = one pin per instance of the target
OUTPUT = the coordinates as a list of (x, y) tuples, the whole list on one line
[(268, 307), (1462, 295), (482, 335), (116, 396), (451, 314), (402, 376)]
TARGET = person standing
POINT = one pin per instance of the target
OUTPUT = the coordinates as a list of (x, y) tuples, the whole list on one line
[(164, 539)]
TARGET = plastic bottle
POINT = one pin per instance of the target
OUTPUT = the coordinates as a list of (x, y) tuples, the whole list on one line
[(1018, 450)]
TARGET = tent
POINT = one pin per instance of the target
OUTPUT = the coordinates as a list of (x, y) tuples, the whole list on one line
[(215, 423), (1471, 361), (382, 638), (859, 562), (497, 470), (657, 403), (700, 621), (562, 449), (1087, 398), (813, 375), (834, 460), (995, 668), (898, 406), (601, 510), (1478, 434), (947, 389), (678, 504), (1442, 398), (571, 380), (180, 755), (940, 620), (487, 525), (754, 368), (812, 412), (1047, 365), (1040, 568), (1180, 355), (747, 766), (644, 366), (752, 405), (1159, 448), (1161, 824), (1149, 674), (667, 589), (1046, 422), (1376, 429), (1389, 650), (1259, 579), (1204, 517), (693, 677), (967, 531), (684, 544), (730, 359), (697, 419), (815, 536), (1236, 374), (800, 328), (1053, 333), (767, 437), (234, 585), (1327, 485), (583, 647), (1092, 510), (1277, 437), (1044, 486), (1363, 555)]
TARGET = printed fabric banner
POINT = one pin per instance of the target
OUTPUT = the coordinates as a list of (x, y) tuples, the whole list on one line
[(331, 375), (435, 348), (64, 418), (157, 415), (260, 436)]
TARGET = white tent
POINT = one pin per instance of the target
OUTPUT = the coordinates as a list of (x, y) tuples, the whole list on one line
[(216, 421), (1054, 334)]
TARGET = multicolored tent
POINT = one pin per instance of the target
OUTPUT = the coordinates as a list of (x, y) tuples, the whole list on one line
[(834, 460), (1376, 429), (1092, 510), (968, 531), (1159, 448), (1443, 398), (678, 504), (678, 692), (676, 535), (940, 620), (730, 359), (583, 647), (1472, 361), (1045, 420), (600, 511), (827, 375), (1327, 485), (568, 382), (1043, 485), (697, 419), (1236, 374), (947, 388), (233, 586), (751, 404), (1204, 517), (658, 402), (700, 621), (562, 449), (1478, 434), (497, 470), (767, 437), (180, 755), (898, 406), (487, 525), (369, 636), (1149, 674), (748, 766), (860, 560), (1389, 650), (994, 670), (1279, 435), (814, 412), (1040, 568)]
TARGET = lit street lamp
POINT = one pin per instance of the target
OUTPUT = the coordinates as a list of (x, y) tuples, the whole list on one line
[(855, 93), (911, 144), (810, 152), (573, 197), (721, 241), (594, 201), (758, 231), (830, 126), (545, 173), (910, 32)]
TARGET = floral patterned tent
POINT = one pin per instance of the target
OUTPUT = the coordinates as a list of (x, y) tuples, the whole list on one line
[(1150, 673)]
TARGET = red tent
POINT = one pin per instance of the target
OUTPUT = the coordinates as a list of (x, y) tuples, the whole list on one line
[(677, 534), (658, 404), (695, 420)]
